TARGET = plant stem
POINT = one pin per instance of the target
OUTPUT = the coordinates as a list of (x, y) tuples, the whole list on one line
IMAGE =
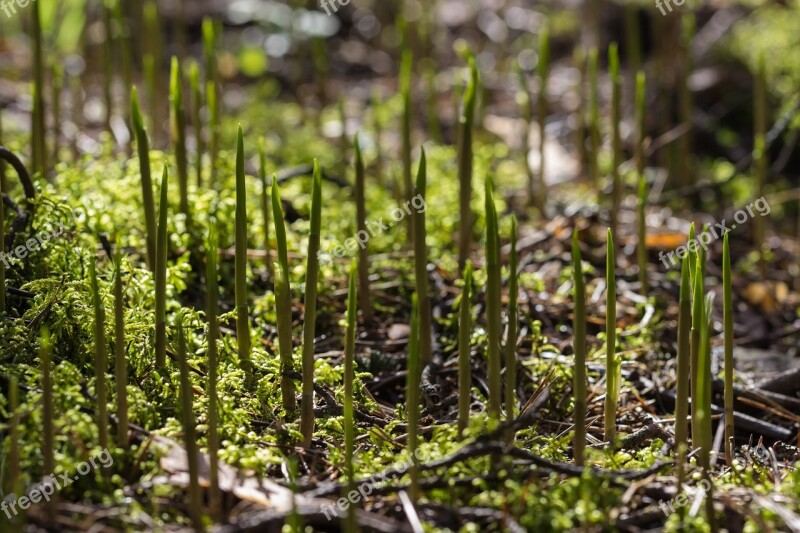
[(161, 274), (100, 363), (283, 297), (190, 437), (465, 160), (511, 337), (197, 122), (266, 205), (143, 150), (540, 199), (212, 99), (120, 362), (727, 306), (361, 226), (594, 120), (38, 127), (579, 346), (612, 367), (684, 362), (413, 379), (48, 412), (760, 153), (697, 322), (493, 303), (242, 311), (421, 265), (349, 377), (178, 127), (310, 306), (212, 308), (464, 363)]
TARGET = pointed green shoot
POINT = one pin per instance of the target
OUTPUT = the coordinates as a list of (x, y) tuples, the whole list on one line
[(464, 363), (310, 318), (214, 128), (161, 274), (197, 122), (493, 302), (579, 346), (266, 206), (178, 127), (38, 127), (465, 161), (361, 226), (613, 376), (283, 301), (727, 306), (684, 363), (143, 150), (698, 317), (513, 321), (242, 310), (540, 199), (421, 264)]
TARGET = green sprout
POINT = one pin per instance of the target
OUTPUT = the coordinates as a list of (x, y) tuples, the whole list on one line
[(464, 363), (266, 206), (212, 308), (361, 226), (161, 274), (283, 302), (684, 363), (413, 379), (48, 411), (178, 128), (143, 150), (349, 377), (641, 221), (613, 376), (466, 124), (99, 356), (405, 128), (189, 433), (242, 311), (540, 199), (579, 346), (616, 142), (493, 302), (594, 119), (727, 306), (310, 306), (421, 265), (513, 321), (197, 122), (120, 362)]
